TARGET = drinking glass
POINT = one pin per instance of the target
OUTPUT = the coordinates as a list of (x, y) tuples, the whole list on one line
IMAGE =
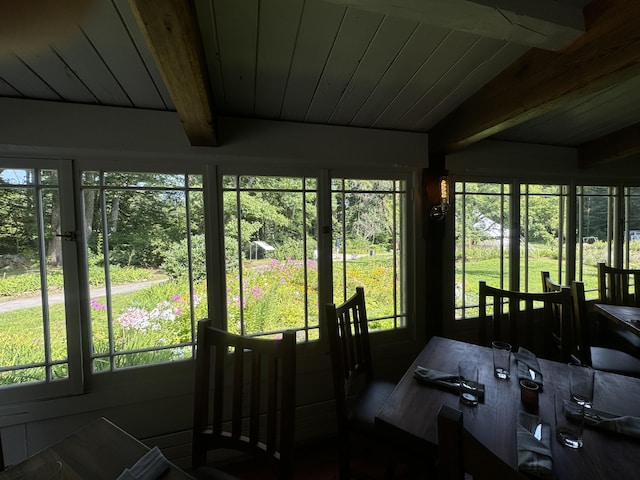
[(468, 372), (581, 384), (501, 359), (569, 421)]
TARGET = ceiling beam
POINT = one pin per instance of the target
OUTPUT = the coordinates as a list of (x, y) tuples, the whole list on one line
[(616, 145), (548, 24), (172, 33), (541, 81)]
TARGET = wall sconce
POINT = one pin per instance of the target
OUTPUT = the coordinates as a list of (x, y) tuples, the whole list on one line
[(439, 211)]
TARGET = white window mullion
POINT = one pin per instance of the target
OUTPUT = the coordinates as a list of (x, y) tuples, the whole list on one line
[(44, 288)]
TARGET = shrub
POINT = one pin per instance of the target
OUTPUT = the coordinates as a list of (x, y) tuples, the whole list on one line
[(176, 261)]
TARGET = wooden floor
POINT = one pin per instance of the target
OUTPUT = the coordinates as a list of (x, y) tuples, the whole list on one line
[(319, 461)]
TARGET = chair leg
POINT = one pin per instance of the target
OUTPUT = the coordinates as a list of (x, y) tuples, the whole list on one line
[(344, 458)]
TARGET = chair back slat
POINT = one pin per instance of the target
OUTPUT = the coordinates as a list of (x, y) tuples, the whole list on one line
[(581, 331), (351, 338), (615, 286), (255, 413), (272, 396), (450, 460), (236, 404), (348, 335), (522, 318), (254, 409), (561, 328), (460, 453)]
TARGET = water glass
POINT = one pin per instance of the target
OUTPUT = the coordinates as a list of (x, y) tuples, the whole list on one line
[(569, 421), (501, 359), (468, 372), (581, 384)]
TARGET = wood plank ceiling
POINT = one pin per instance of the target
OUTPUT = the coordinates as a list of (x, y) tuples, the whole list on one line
[(540, 72)]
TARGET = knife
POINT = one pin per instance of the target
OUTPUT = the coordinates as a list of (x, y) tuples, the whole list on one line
[(538, 432)]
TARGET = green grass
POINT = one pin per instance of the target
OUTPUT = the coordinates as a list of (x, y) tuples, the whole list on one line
[(159, 317)]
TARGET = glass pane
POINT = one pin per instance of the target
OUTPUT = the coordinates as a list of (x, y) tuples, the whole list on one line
[(90, 178), (482, 241), (368, 246), (632, 228), (9, 176), (33, 330), (594, 236), (542, 224), (146, 180), (146, 252), (271, 254), (49, 177)]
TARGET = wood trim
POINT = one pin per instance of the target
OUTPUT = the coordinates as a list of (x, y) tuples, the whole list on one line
[(616, 145), (172, 33), (541, 81)]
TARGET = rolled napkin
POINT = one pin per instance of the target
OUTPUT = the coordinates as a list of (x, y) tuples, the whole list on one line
[(528, 366), (446, 381), (624, 424), (150, 466), (533, 443)]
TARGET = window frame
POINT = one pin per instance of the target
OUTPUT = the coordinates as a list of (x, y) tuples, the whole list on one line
[(109, 380), (617, 242), (413, 329), (104, 387), (73, 384)]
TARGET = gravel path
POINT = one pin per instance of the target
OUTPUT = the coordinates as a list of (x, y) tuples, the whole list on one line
[(28, 302)]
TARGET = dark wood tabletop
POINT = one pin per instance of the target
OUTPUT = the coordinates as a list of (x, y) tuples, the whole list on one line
[(410, 413), (99, 451), (621, 315)]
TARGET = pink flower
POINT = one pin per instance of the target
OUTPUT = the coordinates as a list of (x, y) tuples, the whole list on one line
[(97, 305), (134, 318), (177, 297)]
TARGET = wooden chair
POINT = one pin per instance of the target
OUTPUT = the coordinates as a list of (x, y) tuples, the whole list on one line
[(560, 329), (358, 395), (259, 416), (600, 358), (461, 456), (526, 319), (616, 288)]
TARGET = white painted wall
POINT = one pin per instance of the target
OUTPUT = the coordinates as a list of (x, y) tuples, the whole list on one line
[(85, 131), (492, 158)]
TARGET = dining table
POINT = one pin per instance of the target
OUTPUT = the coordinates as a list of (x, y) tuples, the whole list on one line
[(410, 413), (98, 451), (620, 315)]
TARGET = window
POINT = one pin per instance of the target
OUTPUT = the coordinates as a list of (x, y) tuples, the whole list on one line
[(482, 232), (146, 266), (271, 253), (506, 235), (368, 222), (136, 266), (38, 323), (631, 227), (547, 216), (594, 233), (542, 231)]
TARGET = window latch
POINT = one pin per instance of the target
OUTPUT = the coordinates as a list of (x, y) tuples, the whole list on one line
[(67, 236)]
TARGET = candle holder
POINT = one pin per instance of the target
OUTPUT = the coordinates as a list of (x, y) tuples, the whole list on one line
[(529, 395)]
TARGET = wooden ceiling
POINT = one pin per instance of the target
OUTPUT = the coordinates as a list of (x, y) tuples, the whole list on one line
[(557, 72)]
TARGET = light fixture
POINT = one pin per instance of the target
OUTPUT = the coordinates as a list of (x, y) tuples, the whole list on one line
[(439, 211)]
